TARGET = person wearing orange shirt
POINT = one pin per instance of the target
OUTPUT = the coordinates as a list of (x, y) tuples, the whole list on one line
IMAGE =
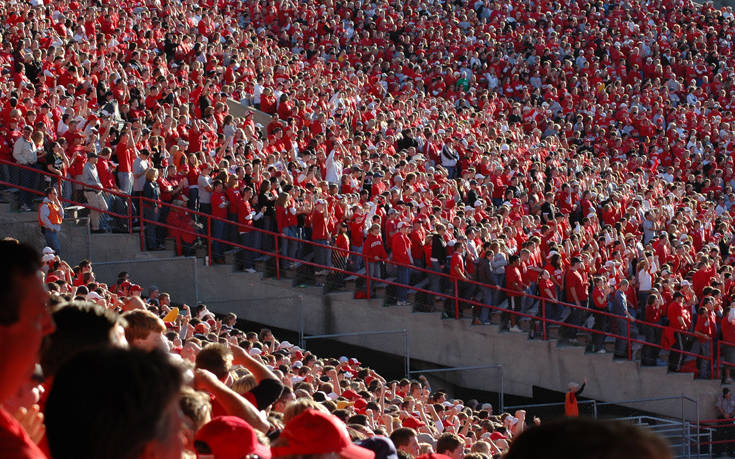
[(50, 216)]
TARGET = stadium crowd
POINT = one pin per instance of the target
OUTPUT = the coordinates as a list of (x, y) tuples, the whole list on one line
[(580, 152), (93, 370)]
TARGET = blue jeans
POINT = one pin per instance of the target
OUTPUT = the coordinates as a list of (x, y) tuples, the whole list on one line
[(289, 247), (321, 254), (436, 279), (355, 258), (404, 278), (488, 295), (374, 271), (151, 229), (28, 179), (498, 295), (246, 257), (52, 240), (125, 181), (218, 231)]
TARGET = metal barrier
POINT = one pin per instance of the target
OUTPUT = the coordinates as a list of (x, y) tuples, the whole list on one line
[(724, 429), (455, 297)]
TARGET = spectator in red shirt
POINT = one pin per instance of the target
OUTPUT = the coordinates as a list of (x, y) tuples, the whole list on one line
[(600, 293), (375, 254), (401, 248), (705, 331), (576, 293), (652, 333), (514, 284), (680, 320)]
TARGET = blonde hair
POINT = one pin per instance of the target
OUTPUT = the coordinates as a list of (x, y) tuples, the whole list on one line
[(298, 406), (151, 174), (244, 384)]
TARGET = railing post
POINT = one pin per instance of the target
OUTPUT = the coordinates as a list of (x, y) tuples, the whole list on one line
[(543, 317), (456, 299), (140, 220), (630, 346), (367, 275), (209, 239), (278, 260), (130, 214)]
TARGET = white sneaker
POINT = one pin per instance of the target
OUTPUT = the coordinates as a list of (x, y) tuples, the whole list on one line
[(601, 351), (516, 329), (250, 270)]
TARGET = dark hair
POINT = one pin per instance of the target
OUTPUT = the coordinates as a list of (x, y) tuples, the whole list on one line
[(18, 260), (80, 326), (116, 398), (579, 438), (447, 442), (402, 436)]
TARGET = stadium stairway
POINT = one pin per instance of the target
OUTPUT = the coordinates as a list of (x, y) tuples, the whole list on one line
[(434, 343)]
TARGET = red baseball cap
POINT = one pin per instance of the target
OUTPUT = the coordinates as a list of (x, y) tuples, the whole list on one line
[(350, 395), (230, 437), (314, 432), (412, 422), (360, 406)]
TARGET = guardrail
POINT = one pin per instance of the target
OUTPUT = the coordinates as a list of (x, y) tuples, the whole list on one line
[(458, 300)]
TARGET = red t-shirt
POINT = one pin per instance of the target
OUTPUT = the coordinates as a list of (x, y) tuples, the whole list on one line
[(513, 280), (575, 283), (14, 441), (124, 158)]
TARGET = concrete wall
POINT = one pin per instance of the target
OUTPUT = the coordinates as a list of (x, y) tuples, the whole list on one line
[(74, 238), (180, 278)]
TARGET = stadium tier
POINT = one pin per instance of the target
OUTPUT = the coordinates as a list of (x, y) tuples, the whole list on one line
[(560, 169)]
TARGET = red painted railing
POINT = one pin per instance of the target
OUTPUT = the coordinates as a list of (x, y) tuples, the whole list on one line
[(713, 360)]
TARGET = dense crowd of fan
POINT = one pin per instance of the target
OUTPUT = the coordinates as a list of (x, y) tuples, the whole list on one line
[(554, 149), (581, 152)]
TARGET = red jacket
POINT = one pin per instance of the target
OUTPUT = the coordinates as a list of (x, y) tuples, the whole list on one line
[(401, 245), (373, 248)]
